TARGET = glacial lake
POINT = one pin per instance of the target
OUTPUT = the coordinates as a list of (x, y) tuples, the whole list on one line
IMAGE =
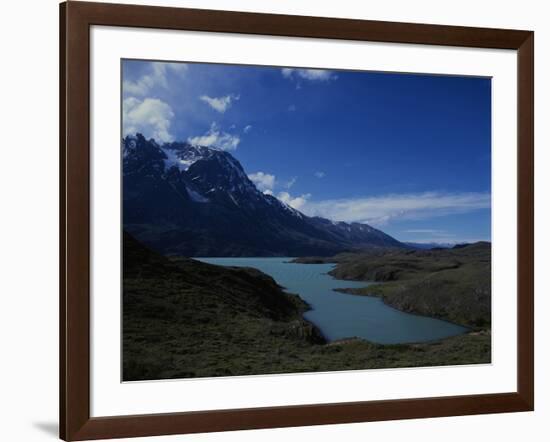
[(339, 315)]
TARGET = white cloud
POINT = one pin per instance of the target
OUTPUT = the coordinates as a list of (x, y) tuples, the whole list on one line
[(427, 236), (287, 72), (319, 174), (151, 117), (429, 232), (380, 210), (295, 202), (291, 182), (217, 138), (315, 74), (308, 74), (247, 128), (220, 104), (263, 181), (157, 76), (434, 235), (451, 239)]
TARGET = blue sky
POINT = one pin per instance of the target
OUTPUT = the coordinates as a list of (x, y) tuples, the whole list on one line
[(409, 154)]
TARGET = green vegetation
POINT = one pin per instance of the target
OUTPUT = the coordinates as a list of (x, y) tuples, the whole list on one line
[(451, 284), (184, 318)]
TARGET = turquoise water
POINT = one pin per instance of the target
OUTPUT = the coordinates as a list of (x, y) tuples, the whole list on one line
[(340, 315)]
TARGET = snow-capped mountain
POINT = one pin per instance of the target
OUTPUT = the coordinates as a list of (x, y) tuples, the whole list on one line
[(198, 201)]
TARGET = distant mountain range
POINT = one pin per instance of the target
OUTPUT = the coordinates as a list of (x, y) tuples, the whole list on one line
[(192, 200), (433, 245)]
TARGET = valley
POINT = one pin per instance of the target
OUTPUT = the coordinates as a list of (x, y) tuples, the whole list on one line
[(184, 318)]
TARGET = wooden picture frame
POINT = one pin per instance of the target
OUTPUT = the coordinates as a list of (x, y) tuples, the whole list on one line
[(76, 18)]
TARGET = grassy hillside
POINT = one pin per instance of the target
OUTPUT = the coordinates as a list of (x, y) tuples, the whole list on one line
[(184, 318), (452, 284)]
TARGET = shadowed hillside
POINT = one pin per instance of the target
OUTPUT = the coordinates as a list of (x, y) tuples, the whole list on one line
[(179, 316)]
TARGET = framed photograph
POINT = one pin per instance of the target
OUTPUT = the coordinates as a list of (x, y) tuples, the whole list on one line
[(272, 221)]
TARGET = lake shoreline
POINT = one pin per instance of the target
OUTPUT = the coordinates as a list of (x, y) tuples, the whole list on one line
[(354, 292), (455, 283), (338, 317), (187, 319)]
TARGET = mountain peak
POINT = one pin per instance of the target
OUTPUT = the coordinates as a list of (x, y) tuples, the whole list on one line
[(198, 201)]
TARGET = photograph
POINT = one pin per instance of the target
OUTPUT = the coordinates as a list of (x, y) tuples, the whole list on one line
[(275, 221), (288, 220)]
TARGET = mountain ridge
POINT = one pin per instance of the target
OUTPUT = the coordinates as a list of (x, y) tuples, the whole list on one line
[(191, 200)]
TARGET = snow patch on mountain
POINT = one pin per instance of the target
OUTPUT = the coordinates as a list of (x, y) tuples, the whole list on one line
[(183, 155), (196, 196), (174, 159)]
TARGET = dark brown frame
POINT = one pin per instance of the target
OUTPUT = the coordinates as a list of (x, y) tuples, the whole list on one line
[(75, 21)]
